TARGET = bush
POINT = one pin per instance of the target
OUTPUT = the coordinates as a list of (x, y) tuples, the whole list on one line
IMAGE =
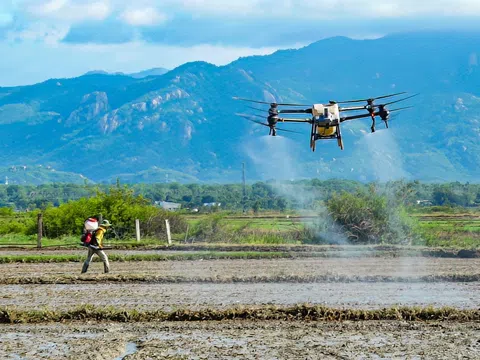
[(370, 218), (210, 229), (120, 206)]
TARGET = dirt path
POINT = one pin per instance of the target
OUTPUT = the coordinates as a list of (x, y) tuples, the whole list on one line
[(242, 340)]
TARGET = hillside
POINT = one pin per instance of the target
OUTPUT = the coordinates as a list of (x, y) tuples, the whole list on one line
[(37, 175), (183, 121)]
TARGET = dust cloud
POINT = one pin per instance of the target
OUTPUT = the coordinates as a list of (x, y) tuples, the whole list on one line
[(276, 160)]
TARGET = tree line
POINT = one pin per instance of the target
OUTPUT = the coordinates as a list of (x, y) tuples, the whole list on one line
[(270, 195)]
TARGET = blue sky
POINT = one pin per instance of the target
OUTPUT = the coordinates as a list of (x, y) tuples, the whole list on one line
[(41, 39)]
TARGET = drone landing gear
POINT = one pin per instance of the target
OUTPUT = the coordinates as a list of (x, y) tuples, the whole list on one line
[(339, 137), (373, 124), (313, 137)]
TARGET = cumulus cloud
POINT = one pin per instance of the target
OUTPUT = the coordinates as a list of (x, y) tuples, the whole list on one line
[(248, 25), (38, 31), (68, 60), (69, 10), (143, 16)]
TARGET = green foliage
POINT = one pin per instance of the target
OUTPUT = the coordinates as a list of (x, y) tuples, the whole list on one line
[(371, 218), (12, 223), (120, 206), (6, 211), (278, 196), (218, 228)]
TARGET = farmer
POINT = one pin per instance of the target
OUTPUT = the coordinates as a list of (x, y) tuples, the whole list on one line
[(95, 247)]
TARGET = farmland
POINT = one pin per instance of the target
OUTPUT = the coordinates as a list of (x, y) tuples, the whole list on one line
[(247, 297), (272, 308)]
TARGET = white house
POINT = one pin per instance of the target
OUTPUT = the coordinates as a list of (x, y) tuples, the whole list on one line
[(212, 204), (170, 206)]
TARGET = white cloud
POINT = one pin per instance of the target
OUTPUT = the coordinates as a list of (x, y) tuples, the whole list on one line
[(143, 17), (70, 10), (151, 12), (5, 19), (329, 9), (39, 31), (66, 60)]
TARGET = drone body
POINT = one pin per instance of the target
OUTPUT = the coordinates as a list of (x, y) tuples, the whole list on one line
[(325, 119)]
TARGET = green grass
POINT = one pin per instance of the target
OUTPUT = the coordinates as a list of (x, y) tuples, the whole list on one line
[(453, 228), (452, 231), (304, 312), (57, 258), (18, 240)]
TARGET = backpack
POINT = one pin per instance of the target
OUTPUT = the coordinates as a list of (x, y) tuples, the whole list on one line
[(90, 226)]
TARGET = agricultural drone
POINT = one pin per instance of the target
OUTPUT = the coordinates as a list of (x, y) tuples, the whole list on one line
[(325, 119)]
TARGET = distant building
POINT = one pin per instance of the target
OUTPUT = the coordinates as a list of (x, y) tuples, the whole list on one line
[(424, 202), (212, 204), (170, 206)]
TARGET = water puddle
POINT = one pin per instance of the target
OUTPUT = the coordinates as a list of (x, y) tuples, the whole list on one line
[(131, 348)]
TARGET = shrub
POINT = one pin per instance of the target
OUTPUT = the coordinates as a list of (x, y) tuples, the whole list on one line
[(120, 206), (369, 218)]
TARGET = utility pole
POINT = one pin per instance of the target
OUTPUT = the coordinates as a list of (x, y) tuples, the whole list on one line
[(244, 200)]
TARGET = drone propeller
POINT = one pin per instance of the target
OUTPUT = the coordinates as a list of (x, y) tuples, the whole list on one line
[(255, 108), (248, 117), (403, 108), (267, 103), (366, 100), (397, 101)]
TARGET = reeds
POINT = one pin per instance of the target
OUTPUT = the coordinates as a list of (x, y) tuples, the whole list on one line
[(267, 313)]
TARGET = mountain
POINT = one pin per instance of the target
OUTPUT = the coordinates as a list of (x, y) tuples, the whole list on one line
[(37, 175), (138, 75), (183, 121), (150, 72)]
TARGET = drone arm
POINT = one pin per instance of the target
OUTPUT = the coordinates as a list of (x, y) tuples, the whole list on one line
[(354, 117), (353, 108), (295, 120), (299, 111)]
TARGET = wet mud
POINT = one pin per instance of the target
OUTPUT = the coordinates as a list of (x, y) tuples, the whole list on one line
[(405, 266), (168, 297), (242, 340)]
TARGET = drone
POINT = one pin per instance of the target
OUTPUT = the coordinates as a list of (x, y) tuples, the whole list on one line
[(325, 119)]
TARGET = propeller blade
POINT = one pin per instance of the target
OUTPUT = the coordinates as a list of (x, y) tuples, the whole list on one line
[(254, 108), (249, 118), (268, 103), (365, 100), (397, 101), (387, 96), (290, 131), (403, 108), (251, 115)]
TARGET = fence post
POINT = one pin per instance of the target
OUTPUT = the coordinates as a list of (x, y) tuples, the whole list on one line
[(39, 230), (186, 235), (169, 235), (137, 229)]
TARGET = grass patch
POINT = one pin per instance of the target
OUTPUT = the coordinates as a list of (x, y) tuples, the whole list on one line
[(266, 313), (355, 252), (29, 241), (56, 258)]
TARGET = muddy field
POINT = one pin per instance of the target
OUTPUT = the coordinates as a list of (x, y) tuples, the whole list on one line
[(404, 266), (217, 290), (168, 297), (242, 340)]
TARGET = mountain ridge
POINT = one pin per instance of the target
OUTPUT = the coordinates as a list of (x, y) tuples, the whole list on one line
[(183, 120)]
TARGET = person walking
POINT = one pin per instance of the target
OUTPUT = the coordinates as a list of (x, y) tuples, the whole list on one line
[(96, 247)]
